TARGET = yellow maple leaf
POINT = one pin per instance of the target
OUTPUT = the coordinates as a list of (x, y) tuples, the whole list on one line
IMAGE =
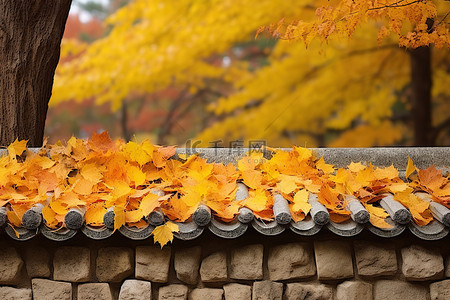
[(119, 217), (149, 203), (164, 233), (13, 218), (133, 216), (322, 165), (377, 216), (287, 184), (49, 216), (257, 200), (300, 202), (91, 172), (356, 167), (136, 175), (303, 153), (252, 178), (385, 173), (94, 214), (410, 168), (17, 148)]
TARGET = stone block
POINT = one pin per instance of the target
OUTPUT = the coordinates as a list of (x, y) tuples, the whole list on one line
[(354, 290), (44, 289), (395, 289), (10, 265), (152, 263), (187, 263), (37, 262), (267, 290), (295, 260), (447, 266), (214, 268), (205, 293), (94, 291), (374, 260), (114, 264), (173, 292), (10, 293), (72, 264), (307, 291), (440, 290), (333, 260), (247, 262), (236, 291), (421, 264), (135, 290)]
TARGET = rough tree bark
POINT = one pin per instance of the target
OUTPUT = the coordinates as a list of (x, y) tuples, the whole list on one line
[(30, 38)]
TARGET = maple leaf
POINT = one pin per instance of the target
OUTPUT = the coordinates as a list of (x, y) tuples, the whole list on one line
[(164, 233), (356, 167), (257, 200), (94, 214), (149, 203), (410, 168), (252, 178), (101, 142), (287, 184), (119, 217), (431, 178), (300, 202), (133, 216), (49, 216), (17, 148), (377, 216), (91, 172)]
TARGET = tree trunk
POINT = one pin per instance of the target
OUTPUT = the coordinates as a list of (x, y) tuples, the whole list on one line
[(421, 95), (30, 38)]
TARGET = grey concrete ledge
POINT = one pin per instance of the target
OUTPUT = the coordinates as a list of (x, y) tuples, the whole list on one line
[(423, 157)]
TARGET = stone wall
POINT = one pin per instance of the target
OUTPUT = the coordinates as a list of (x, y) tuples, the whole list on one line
[(252, 267)]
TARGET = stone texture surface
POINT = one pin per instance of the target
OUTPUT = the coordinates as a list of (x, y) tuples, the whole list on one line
[(290, 261), (44, 289), (421, 264), (236, 291), (306, 291), (10, 293), (373, 260), (267, 290), (214, 268), (152, 263), (354, 290), (394, 289), (10, 265), (206, 294), (37, 262), (333, 260), (94, 291), (72, 264), (173, 292), (186, 263), (247, 262), (440, 290), (114, 264), (135, 290), (447, 266)]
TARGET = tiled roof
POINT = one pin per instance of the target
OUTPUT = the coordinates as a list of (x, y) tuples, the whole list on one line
[(318, 219)]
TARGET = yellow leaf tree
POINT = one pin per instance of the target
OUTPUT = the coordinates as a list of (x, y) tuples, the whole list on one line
[(358, 91)]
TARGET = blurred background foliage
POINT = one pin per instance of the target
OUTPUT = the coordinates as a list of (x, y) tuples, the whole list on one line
[(173, 71)]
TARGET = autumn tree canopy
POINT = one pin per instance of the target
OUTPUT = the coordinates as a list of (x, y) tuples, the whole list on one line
[(351, 85)]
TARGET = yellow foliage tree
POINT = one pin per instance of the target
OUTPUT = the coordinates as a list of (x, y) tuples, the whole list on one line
[(304, 95)]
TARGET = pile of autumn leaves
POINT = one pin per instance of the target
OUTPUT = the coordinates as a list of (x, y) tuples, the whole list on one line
[(100, 173)]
